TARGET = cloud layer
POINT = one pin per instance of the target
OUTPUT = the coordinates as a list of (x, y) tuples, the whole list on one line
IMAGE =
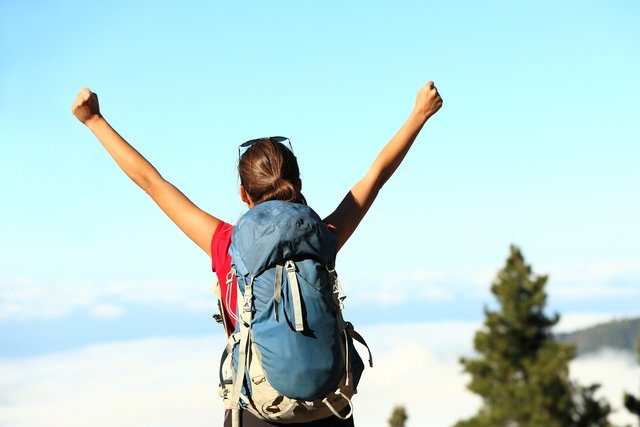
[(26, 300), (588, 285), (172, 381)]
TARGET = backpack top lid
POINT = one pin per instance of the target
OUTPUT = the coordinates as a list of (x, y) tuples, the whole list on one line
[(275, 231)]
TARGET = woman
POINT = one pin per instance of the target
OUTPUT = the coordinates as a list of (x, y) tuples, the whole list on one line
[(268, 171)]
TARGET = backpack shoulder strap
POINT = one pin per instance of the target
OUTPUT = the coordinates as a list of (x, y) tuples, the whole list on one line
[(245, 308)]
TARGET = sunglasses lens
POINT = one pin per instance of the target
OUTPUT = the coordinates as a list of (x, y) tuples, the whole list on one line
[(272, 138), (249, 143)]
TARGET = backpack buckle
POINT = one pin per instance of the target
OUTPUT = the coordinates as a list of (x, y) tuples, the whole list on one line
[(290, 266), (247, 303), (248, 296), (230, 275)]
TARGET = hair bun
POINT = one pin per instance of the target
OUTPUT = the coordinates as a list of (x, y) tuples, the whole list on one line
[(283, 189)]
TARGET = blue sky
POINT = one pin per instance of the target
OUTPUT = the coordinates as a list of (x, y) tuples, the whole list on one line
[(537, 145)]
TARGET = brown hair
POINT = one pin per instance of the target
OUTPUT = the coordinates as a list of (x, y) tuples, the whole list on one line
[(269, 171)]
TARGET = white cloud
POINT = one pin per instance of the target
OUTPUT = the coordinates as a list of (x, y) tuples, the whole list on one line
[(107, 311), (21, 299), (432, 390), (588, 283), (168, 382), (593, 281), (416, 365), (445, 340), (173, 381), (401, 287), (153, 382), (597, 271), (616, 371), (567, 282)]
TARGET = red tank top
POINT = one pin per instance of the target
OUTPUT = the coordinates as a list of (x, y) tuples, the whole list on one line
[(221, 265)]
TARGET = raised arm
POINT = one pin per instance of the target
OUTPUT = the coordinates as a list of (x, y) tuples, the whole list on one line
[(356, 203), (193, 221)]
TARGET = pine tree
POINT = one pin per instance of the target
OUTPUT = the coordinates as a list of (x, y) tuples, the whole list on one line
[(631, 402), (398, 417), (590, 411), (522, 373)]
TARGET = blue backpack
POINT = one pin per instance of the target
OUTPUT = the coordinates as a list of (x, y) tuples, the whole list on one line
[(292, 353)]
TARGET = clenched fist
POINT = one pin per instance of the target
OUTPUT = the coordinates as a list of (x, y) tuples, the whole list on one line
[(428, 101), (86, 106)]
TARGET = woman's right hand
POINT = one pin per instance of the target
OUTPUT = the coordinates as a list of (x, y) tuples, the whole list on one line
[(428, 100), (86, 107)]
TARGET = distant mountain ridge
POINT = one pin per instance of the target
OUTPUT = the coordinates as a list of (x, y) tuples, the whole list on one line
[(617, 334)]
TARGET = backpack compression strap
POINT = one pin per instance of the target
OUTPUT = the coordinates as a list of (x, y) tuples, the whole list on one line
[(357, 337), (290, 266), (277, 290), (339, 297), (294, 286)]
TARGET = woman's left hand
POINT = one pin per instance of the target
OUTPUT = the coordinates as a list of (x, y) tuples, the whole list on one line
[(428, 100)]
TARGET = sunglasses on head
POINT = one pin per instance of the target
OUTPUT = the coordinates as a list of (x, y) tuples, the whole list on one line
[(281, 139)]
